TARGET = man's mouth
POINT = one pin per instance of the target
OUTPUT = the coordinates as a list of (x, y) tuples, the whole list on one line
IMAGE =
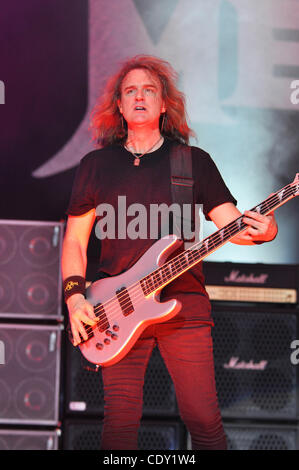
[(140, 108)]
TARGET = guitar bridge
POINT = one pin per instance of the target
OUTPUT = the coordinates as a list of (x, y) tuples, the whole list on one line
[(70, 334)]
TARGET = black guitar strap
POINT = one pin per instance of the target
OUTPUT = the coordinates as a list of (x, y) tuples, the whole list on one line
[(182, 184)]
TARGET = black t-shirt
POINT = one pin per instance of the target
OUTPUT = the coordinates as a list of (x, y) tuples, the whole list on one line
[(108, 177)]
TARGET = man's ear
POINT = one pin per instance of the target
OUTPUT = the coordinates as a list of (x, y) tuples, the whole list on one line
[(163, 109)]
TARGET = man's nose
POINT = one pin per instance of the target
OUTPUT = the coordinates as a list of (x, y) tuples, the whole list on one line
[(139, 94)]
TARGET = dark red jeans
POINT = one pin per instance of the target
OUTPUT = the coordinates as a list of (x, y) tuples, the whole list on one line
[(187, 350)]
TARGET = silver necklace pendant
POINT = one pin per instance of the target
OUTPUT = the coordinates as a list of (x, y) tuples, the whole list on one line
[(138, 157)]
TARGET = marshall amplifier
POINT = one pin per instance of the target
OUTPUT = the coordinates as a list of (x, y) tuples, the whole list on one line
[(261, 436), (255, 436), (29, 374), (30, 279), (84, 387), (255, 363), (240, 282)]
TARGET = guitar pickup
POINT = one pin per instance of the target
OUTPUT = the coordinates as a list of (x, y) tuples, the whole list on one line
[(124, 300)]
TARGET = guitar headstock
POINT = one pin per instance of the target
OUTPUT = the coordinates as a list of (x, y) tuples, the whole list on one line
[(296, 184)]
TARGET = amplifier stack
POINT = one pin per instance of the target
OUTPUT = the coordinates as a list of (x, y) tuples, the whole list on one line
[(255, 311), (30, 334), (161, 427)]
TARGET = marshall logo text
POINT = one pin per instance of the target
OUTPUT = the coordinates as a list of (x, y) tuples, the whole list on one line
[(234, 364), (235, 276)]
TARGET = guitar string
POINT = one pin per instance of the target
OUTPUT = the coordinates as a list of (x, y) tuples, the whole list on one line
[(131, 288), (103, 312), (176, 264), (165, 280), (171, 262)]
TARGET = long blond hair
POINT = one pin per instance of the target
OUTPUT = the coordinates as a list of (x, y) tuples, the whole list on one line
[(107, 124)]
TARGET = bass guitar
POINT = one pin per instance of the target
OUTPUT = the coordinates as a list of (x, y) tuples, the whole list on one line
[(126, 304)]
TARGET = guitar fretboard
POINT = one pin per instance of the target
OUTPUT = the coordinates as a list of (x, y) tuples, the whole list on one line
[(184, 261)]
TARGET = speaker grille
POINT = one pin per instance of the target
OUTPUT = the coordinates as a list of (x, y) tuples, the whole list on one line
[(254, 374), (153, 435), (84, 392), (30, 280), (261, 437), (29, 377)]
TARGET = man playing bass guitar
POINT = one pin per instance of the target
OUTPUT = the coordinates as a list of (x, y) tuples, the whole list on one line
[(139, 118)]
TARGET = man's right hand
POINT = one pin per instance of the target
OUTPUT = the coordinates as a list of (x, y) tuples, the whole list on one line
[(80, 311)]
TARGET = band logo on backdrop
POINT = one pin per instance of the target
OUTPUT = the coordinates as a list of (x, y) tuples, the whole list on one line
[(255, 73)]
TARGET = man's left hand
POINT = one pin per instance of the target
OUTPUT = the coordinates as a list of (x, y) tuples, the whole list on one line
[(261, 228)]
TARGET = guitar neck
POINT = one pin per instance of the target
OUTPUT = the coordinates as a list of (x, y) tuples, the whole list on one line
[(197, 252)]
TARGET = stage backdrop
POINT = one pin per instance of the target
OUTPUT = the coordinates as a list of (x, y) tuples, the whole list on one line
[(238, 64)]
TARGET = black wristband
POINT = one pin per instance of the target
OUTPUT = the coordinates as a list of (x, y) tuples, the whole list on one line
[(73, 285)]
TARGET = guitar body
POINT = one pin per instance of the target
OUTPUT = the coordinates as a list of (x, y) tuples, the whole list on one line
[(108, 347)]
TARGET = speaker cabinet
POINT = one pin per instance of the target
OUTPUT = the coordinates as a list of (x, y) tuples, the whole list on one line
[(30, 279), (255, 377), (84, 388), (29, 374), (153, 435), (261, 437), (28, 440)]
